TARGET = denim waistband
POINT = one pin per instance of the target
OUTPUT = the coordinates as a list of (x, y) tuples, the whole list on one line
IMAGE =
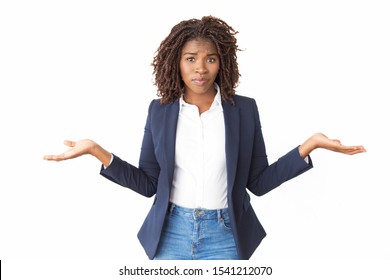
[(198, 213)]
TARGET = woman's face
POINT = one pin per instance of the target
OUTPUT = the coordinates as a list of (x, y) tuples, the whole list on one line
[(199, 66)]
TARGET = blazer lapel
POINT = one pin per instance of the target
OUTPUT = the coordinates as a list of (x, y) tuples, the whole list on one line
[(232, 141), (170, 124)]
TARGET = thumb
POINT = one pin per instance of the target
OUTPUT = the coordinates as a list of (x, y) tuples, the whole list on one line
[(69, 143)]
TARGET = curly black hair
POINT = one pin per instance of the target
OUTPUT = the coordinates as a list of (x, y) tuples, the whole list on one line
[(166, 60)]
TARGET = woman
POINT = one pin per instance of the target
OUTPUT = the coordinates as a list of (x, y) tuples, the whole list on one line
[(202, 150)]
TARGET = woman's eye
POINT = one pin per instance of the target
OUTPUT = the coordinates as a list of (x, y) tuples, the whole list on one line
[(190, 59)]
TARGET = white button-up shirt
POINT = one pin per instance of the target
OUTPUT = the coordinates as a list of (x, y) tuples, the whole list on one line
[(200, 179)]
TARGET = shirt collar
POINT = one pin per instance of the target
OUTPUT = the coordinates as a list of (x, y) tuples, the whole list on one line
[(216, 103)]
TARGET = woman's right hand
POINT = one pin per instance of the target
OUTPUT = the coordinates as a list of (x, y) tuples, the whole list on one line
[(82, 147), (77, 149)]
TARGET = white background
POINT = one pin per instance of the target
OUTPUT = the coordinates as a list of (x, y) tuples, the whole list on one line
[(81, 69)]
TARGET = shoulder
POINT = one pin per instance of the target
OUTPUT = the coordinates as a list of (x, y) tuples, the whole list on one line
[(243, 98), (156, 104), (157, 109), (244, 101)]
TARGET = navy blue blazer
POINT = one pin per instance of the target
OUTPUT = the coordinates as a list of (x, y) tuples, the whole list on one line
[(246, 163)]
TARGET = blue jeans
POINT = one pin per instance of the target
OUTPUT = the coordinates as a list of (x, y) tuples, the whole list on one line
[(196, 234)]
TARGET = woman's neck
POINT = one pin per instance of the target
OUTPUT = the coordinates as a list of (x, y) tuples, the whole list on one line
[(202, 101)]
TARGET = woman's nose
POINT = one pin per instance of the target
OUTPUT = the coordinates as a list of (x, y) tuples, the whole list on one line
[(200, 67)]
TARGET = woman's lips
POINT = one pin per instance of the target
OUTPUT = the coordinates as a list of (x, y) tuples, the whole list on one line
[(199, 81)]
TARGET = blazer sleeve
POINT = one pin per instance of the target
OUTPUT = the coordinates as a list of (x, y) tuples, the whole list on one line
[(264, 177), (142, 179)]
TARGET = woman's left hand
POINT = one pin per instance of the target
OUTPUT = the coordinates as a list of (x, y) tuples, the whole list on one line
[(319, 140)]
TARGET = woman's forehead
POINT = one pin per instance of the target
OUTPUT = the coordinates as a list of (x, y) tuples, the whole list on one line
[(199, 44)]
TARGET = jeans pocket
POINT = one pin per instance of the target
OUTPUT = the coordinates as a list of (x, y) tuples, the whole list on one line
[(225, 223)]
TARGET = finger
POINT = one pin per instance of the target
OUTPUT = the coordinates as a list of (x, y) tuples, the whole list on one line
[(54, 157), (359, 149), (354, 150), (354, 153), (48, 157), (362, 148), (69, 143)]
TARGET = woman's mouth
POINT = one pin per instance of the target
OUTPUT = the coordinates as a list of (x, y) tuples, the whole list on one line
[(199, 81)]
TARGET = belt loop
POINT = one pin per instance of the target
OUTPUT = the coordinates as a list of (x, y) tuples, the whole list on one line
[(219, 212)]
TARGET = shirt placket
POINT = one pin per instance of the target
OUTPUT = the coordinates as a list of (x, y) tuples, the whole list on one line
[(201, 158)]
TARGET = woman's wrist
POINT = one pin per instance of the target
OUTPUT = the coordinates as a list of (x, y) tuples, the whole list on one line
[(307, 147), (101, 154)]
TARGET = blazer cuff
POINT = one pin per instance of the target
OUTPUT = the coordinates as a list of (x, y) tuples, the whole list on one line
[(304, 163), (110, 171)]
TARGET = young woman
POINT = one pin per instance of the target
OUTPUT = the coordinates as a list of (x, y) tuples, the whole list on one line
[(202, 150)]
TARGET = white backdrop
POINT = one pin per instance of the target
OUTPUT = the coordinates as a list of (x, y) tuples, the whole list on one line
[(81, 69)]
